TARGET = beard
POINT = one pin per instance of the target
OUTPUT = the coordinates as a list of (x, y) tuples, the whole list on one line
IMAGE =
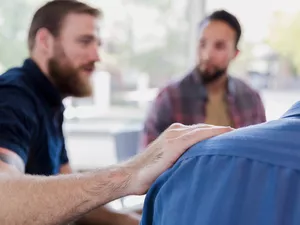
[(67, 78), (210, 77)]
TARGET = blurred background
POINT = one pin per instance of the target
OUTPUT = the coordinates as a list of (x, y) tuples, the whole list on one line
[(148, 43)]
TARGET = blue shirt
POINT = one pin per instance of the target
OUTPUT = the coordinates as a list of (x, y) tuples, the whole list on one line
[(245, 177), (31, 117)]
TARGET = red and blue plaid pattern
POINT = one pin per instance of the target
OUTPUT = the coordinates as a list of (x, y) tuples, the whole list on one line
[(185, 100)]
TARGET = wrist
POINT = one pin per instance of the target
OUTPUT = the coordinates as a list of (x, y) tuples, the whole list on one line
[(114, 181), (134, 185)]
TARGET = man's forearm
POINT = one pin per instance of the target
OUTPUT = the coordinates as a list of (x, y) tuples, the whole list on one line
[(63, 199), (60, 199), (105, 215)]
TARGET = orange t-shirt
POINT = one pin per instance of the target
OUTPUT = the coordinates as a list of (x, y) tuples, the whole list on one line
[(217, 112)]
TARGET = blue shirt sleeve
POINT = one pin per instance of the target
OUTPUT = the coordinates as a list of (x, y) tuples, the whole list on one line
[(17, 121), (225, 190), (64, 159), (247, 176)]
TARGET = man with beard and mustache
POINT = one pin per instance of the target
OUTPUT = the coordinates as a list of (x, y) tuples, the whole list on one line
[(63, 44), (208, 94)]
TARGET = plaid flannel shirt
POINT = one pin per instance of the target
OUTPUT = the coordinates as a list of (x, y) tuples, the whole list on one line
[(185, 100)]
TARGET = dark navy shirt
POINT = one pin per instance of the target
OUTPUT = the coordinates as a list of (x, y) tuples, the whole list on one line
[(245, 177), (31, 117)]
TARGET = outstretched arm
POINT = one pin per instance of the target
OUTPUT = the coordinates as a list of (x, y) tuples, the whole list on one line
[(64, 198)]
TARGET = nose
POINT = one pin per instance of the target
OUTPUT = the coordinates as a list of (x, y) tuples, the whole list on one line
[(206, 53), (95, 54)]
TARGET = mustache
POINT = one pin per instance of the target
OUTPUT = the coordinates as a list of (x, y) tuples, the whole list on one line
[(89, 66), (207, 64)]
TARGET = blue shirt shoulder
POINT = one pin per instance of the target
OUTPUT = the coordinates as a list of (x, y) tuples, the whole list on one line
[(31, 116), (248, 176), (18, 113)]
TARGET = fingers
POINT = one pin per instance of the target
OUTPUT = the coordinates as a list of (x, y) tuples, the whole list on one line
[(187, 139), (179, 126), (177, 129), (176, 126)]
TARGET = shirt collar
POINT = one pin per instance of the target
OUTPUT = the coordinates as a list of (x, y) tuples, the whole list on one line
[(42, 84), (294, 111), (231, 88)]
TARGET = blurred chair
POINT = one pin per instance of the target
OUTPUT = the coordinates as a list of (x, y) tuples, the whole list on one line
[(127, 142)]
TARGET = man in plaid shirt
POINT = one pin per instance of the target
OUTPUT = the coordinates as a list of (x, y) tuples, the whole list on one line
[(208, 94)]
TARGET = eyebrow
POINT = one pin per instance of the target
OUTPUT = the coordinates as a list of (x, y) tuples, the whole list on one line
[(221, 40), (86, 36), (89, 37), (217, 40)]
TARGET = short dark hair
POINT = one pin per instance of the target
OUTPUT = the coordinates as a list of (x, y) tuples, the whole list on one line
[(52, 14), (226, 17)]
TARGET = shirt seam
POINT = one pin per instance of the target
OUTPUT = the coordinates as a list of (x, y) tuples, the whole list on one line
[(241, 157)]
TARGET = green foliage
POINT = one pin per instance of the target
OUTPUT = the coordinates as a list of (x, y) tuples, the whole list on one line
[(284, 35), (15, 17), (168, 57)]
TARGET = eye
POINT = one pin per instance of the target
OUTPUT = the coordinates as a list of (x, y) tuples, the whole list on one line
[(202, 44), (220, 45), (85, 41)]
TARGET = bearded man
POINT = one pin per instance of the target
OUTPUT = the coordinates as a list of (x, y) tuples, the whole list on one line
[(208, 94), (36, 184)]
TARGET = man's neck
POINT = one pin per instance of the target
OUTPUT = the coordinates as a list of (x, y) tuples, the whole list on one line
[(43, 67), (220, 85), (40, 63)]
